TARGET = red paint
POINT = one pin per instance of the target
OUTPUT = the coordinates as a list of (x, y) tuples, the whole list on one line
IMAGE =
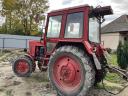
[(64, 12), (88, 47), (32, 46), (100, 50), (67, 74), (85, 9), (83, 40), (22, 67)]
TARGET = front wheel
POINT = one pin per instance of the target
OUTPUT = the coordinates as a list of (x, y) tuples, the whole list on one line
[(71, 72), (23, 66)]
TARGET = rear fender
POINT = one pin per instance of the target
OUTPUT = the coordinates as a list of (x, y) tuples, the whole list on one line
[(96, 61), (88, 47), (90, 50)]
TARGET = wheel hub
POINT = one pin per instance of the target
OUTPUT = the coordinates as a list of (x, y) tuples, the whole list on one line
[(67, 73), (22, 67)]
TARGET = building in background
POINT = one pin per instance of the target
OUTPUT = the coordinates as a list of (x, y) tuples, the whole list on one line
[(115, 32)]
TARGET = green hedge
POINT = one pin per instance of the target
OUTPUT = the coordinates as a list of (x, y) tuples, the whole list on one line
[(122, 55)]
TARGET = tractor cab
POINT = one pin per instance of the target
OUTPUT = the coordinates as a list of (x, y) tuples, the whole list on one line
[(78, 25), (81, 24), (70, 49)]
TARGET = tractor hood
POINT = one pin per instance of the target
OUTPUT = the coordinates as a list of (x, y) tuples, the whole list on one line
[(102, 11)]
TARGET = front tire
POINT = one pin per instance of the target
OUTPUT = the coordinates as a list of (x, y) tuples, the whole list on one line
[(23, 66), (70, 71)]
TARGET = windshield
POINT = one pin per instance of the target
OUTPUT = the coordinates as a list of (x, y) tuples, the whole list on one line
[(94, 35), (74, 25)]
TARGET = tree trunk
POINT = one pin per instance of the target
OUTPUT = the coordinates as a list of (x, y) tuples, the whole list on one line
[(25, 24), (10, 21), (6, 30), (30, 24)]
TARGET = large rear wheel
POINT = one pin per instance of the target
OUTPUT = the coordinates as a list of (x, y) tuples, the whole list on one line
[(71, 72)]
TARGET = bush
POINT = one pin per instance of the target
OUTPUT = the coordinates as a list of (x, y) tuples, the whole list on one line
[(122, 55)]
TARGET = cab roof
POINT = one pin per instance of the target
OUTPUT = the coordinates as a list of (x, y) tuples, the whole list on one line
[(70, 8)]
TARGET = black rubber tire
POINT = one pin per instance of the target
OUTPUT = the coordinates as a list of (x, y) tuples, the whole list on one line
[(33, 63), (88, 70), (29, 62)]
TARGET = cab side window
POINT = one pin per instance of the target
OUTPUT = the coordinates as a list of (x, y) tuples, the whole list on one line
[(54, 26)]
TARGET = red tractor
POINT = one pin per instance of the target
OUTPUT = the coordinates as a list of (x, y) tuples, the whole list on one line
[(71, 50)]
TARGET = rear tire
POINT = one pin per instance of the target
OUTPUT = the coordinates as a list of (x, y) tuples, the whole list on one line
[(75, 75), (23, 66)]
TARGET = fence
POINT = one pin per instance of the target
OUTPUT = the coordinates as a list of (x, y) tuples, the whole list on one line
[(15, 41)]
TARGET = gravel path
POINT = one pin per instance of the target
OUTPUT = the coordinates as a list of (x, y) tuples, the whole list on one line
[(11, 85)]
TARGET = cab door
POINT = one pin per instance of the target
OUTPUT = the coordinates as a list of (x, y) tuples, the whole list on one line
[(54, 29)]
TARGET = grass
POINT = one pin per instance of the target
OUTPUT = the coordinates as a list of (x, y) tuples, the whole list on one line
[(109, 86), (113, 77), (114, 59), (112, 80), (9, 93)]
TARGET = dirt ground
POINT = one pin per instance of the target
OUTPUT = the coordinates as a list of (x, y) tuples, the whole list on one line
[(36, 85)]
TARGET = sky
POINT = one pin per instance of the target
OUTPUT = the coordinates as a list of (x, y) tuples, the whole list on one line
[(2, 19), (120, 7)]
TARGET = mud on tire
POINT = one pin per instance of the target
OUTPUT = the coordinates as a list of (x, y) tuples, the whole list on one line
[(87, 71)]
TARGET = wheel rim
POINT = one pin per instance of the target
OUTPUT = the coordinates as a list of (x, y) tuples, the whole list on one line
[(67, 74), (22, 67)]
